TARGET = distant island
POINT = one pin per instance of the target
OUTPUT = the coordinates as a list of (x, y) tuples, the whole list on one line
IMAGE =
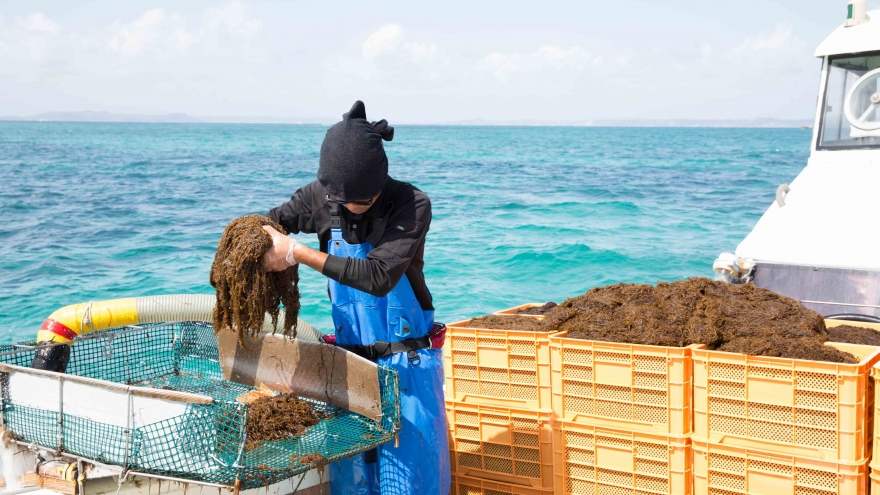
[(762, 122), (169, 118), (182, 118)]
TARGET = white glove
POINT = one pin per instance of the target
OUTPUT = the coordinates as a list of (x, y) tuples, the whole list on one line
[(280, 255), (290, 258)]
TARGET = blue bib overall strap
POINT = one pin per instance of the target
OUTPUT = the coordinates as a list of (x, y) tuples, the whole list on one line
[(382, 325)]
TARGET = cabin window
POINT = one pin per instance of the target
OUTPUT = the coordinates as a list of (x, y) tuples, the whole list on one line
[(851, 117)]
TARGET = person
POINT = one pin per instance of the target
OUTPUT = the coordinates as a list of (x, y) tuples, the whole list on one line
[(372, 241)]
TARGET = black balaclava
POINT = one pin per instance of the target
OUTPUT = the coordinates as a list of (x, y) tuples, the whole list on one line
[(353, 164)]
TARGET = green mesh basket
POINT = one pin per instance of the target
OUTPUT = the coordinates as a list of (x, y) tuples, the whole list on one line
[(206, 443)]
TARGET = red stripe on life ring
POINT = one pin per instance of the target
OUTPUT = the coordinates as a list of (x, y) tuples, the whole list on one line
[(58, 329)]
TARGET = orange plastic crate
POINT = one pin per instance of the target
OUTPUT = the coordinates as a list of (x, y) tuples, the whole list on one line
[(628, 386), (593, 459), (875, 458), (727, 470), (513, 310), (875, 482), (502, 444), (463, 485), (875, 427), (791, 406), (509, 368)]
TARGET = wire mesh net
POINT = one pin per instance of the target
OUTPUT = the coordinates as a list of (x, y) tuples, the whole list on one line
[(207, 443)]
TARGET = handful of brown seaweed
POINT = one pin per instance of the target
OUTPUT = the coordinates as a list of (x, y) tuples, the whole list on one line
[(246, 293)]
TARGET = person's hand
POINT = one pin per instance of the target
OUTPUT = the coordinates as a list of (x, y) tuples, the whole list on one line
[(279, 256)]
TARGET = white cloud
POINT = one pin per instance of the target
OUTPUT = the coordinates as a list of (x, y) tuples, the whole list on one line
[(157, 53), (496, 58), (780, 52), (166, 35), (422, 52), (391, 56), (27, 38), (38, 23), (382, 40), (185, 38), (235, 17), (550, 51), (502, 65), (130, 39), (221, 57), (417, 48), (782, 36)]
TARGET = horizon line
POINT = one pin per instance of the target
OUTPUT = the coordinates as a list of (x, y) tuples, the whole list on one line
[(182, 118), (304, 124)]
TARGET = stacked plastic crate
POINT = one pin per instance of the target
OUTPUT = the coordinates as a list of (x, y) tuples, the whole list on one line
[(498, 409), (875, 457), (874, 463), (622, 417), (532, 413), (773, 426)]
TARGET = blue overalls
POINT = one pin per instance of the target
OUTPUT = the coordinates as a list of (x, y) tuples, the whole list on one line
[(420, 462)]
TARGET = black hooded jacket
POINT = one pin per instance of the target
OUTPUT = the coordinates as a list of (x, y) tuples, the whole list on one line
[(400, 249)]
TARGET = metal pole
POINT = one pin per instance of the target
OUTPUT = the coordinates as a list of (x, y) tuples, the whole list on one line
[(128, 427), (61, 413), (843, 304)]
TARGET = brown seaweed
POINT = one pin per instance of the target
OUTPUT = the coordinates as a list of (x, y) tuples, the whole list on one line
[(246, 293), (850, 334), (279, 417), (732, 318), (536, 310), (505, 322)]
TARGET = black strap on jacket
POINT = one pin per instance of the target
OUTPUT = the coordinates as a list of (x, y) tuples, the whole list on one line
[(384, 349), (335, 218)]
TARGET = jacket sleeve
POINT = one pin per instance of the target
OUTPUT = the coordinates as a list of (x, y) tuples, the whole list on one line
[(386, 264), (296, 215)]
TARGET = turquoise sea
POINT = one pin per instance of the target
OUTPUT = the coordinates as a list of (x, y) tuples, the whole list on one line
[(100, 211)]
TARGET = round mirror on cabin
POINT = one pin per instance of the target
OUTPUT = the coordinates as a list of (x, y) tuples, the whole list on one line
[(862, 105)]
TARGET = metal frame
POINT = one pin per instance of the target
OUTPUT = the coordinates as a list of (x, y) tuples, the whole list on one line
[(130, 390), (823, 289), (118, 469), (826, 72), (89, 336)]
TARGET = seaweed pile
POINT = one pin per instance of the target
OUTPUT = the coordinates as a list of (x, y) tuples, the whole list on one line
[(537, 310), (854, 335), (279, 417), (506, 322), (732, 318), (246, 293)]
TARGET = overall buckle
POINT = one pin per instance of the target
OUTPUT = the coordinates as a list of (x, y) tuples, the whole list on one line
[(414, 358)]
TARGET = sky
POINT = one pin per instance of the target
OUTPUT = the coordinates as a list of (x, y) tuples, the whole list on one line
[(417, 62)]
